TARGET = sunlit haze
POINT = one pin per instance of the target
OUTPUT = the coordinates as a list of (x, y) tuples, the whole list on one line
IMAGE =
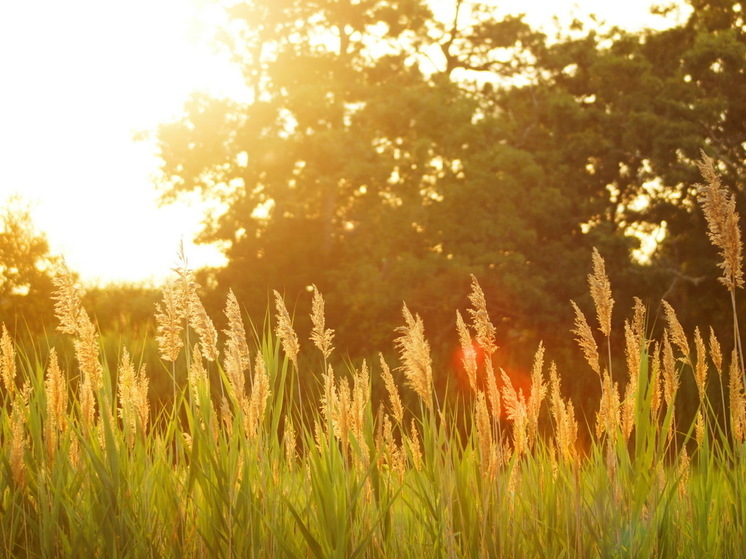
[(81, 77)]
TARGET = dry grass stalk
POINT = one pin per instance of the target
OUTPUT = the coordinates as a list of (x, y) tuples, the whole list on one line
[(538, 392), (655, 380), (516, 411), (493, 393), (284, 330), (359, 404), (737, 400), (202, 324), (288, 439), (414, 445), (8, 362), (484, 437), (485, 330), (55, 388), (699, 428), (86, 351), (700, 368), (134, 408), (320, 335), (719, 208), (600, 289), (414, 352), (468, 353), (678, 337), (197, 375), (585, 339), (632, 352), (67, 300), (716, 353), (257, 405), (607, 420), (18, 441), (565, 425), (393, 391), (168, 319), (670, 380), (684, 471), (236, 347)]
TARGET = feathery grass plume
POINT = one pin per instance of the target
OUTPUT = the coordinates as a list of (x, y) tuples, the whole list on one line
[(716, 353), (632, 348), (699, 428), (8, 362), (719, 208), (655, 380), (18, 440), (288, 440), (202, 324), (55, 388), (484, 436), (257, 405), (684, 471), (67, 300), (341, 415), (86, 351), (568, 432), (607, 420), (236, 333), (328, 397), (565, 425), (226, 415), (515, 410), (493, 392), (168, 319), (414, 352), (197, 375), (700, 369), (414, 445), (585, 339), (236, 356), (87, 400), (670, 380), (737, 400), (360, 399), (600, 289), (468, 354), (134, 408), (285, 332), (678, 337), (321, 337), (393, 391), (538, 392), (485, 330)]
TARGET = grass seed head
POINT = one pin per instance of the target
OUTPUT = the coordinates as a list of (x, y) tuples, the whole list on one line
[(414, 352), (600, 289), (719, 208), (485, 330), (8, 362), (320, 335), (585, 339), (284, 330)]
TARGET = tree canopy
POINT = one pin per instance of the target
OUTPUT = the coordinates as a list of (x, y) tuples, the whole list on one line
[(385, 154)]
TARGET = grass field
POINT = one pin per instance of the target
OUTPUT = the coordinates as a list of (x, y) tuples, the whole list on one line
[(245, 461)]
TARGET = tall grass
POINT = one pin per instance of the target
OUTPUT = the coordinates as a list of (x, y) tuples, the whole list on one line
[(248, 462)]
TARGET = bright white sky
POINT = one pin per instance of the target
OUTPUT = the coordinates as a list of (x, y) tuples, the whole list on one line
[(78, 78)]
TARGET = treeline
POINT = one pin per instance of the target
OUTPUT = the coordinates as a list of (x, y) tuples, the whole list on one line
[(385, 153)]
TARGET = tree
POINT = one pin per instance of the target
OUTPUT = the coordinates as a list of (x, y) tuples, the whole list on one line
[(384, 154), (26, 267), (353, 168)]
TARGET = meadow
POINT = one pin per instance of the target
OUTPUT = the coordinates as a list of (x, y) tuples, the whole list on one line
[(247, 461)]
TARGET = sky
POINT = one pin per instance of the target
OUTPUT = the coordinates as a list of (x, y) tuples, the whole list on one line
[(81, 78)]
